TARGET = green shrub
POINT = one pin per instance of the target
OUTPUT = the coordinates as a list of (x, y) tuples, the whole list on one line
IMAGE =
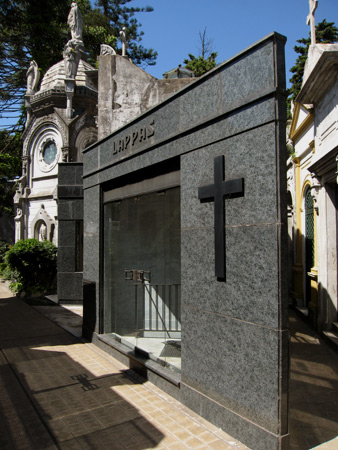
[(4, 247), (31, 266)]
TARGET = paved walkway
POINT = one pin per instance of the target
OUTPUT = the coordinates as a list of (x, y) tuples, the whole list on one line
[(313, 389), (57, 392)]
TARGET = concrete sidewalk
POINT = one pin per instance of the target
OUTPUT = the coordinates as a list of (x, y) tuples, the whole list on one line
[(313, 394), (57, 392)]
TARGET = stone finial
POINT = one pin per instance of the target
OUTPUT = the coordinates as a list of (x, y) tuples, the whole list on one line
[(33, 77), (311, 20), (106, 50), (124, 41)]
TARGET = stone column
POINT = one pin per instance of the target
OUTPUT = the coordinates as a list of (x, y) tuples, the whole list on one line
[(70, 86)]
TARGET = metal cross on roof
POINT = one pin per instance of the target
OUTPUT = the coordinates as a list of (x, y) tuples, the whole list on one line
[(311, 20)]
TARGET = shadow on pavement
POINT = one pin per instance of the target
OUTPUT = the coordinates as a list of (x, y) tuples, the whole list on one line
[(313, 387), (56, 392)]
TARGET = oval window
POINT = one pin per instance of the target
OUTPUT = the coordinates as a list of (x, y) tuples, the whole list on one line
[(49, 152)]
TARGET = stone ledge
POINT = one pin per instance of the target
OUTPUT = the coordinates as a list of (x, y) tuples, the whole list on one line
[(142, 358), (331, 338), (320, 73)]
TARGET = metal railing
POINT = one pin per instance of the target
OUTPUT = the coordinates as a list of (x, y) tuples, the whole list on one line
[(158, 307)]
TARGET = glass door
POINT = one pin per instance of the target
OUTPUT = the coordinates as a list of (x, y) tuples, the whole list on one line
[(142, 273)]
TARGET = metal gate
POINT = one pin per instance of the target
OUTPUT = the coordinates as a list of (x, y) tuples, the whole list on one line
[(309, 243), (157, 306)]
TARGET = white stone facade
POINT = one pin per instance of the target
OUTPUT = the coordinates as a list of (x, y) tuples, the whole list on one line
[(50, 138), (313, 168)]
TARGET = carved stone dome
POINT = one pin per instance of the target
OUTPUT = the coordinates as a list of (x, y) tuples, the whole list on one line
[(55, 76)]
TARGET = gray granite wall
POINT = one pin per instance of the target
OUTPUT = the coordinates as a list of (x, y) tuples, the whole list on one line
[(91, 257), (234, 332), (70, 214)]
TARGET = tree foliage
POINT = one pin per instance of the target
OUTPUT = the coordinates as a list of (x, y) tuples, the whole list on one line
[(27, 31), (200, 65), (206, 59), (10, 167), (326, 33)]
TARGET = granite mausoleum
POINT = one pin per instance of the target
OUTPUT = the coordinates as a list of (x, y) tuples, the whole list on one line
[(167, 200), (185, 245)]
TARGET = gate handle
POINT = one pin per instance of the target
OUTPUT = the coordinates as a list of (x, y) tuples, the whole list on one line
[(138, 276)]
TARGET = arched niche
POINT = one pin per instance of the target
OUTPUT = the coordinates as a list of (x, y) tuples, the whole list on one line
[(43, 226)]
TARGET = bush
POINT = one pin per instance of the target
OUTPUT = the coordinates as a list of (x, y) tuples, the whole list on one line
[(4, 247), (31, 265)]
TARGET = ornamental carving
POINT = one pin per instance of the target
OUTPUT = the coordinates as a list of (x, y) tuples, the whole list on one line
[(37, 126), (106, 50)]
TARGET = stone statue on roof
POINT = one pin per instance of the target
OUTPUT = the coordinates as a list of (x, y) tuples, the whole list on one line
[(71, 57), (72, 50), (75, 22), (123, 38), (33, 76)]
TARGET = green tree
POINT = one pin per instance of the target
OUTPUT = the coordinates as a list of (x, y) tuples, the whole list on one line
[(200, 65), (96, 31), (10, 168), (27, 31), (326, 33), (206, 59)]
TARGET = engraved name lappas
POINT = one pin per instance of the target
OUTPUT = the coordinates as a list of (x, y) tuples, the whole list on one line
[(134, 138)]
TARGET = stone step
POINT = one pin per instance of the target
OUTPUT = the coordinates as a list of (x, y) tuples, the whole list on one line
[(332, 338), (303, 310), (335, 327)]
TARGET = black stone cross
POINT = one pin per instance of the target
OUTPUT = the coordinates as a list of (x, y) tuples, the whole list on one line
[(216, 192)]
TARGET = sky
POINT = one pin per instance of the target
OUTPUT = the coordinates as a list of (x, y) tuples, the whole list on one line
[(173, 28)]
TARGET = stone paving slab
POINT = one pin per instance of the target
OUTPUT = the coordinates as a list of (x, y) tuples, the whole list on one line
[(20, 425), (59, 392)]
